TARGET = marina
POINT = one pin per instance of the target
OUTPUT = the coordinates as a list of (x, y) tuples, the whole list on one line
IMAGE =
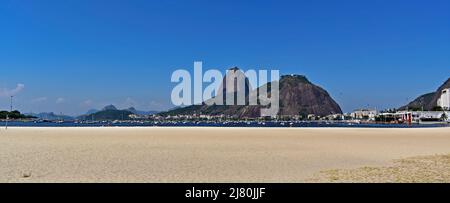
[(270, 124)]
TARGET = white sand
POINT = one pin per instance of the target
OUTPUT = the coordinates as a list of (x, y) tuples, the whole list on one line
[(178, 154)]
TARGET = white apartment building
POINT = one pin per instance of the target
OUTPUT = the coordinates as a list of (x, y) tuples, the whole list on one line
[(364, 114), (444, 100)]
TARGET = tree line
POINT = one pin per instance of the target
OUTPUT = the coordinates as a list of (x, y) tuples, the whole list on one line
[(13, 115)]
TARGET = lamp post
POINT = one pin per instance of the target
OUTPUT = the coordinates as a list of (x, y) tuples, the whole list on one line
[(11, 103), (7, 114), (7, 118)]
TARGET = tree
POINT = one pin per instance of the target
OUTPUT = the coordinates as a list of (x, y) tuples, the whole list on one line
[(13, 115), (3, 114), (444, 116), (415, 108)]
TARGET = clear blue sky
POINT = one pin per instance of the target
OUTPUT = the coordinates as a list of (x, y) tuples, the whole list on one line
[(75, 55)]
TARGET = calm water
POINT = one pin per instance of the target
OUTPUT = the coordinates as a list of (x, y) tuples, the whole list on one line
[(228, 124)]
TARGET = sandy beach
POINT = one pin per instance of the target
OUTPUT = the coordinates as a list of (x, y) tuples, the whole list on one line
[(178, 154)]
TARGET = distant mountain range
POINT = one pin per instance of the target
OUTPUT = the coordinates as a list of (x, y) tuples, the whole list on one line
[(142, 113), (50, 116), (298, 96), (110, 112), (427, 101), (91, 111)]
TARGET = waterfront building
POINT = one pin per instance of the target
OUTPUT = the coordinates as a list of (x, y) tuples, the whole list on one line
[(365, 114), (444, 99)]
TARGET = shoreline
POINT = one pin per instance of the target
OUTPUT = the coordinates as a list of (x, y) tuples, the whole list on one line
[(424, 126)]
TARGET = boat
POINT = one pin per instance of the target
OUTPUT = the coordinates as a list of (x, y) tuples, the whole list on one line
[(432, 121)]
